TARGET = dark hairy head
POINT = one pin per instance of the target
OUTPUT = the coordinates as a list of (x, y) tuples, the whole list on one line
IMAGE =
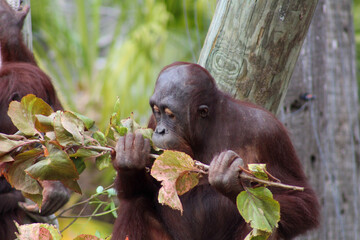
[(16, 81), (182, 104), (11, 21)]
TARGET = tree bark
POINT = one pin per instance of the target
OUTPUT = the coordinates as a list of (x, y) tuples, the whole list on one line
[(325, 131), (250, 50), (252, 47)]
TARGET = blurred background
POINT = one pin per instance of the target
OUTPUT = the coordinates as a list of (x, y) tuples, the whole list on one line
[(99, 50)]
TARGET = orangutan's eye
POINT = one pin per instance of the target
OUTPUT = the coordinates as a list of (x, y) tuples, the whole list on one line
[(203, 111)]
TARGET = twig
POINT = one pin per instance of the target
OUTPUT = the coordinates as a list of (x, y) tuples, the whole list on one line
[(270, 184), (202, 166), (93, 215), (74, 220), (153, 155), (82, 202), (101, 148), (244, 175)]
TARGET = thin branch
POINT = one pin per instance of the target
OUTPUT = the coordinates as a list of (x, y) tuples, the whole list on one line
[(72, 222), (202, 166), (244, 175), (101, 148), (82, 202), (92, 215), (153, 155), (270, 184)]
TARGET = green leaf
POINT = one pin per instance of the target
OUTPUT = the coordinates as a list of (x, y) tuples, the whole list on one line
[(259, 170), (177, 173), (36, 198), (84, 153), (100, 137), (74, 126), (258, 208), (56, 166), (72, 184), (130, 124), (121, 130), (41, 231), (103, 161), (23, 113), (44, 123), (79, 164), (99, 189), (68, 129), (148, 133), (7, 145), (115, 117), (16, 173), (111, 192), (87, 121), (113, 207)]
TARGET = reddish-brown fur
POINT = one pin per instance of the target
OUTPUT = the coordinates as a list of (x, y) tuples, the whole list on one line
[(19, 76), (252, 132)]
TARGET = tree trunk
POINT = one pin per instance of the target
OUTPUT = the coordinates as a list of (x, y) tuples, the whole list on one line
[(252, 47), (325, 131)]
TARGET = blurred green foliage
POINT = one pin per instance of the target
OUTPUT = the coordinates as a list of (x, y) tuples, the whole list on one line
[(98, 50)]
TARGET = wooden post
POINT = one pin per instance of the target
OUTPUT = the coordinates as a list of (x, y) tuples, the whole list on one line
[(252, 47), (325, 130)]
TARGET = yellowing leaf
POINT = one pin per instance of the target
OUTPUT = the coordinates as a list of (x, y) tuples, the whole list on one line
[(23, 113), (257, 207), (86, 237), (259, 170), (17, 176), (36, 198), (44, 123), (7, 145), (177, 173), (72, 184), (38, 231), (257, 234), (186, 182)]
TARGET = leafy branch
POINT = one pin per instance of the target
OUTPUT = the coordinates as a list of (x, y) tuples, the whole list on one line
[(54, 145), (246, 176), (179, 173)]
